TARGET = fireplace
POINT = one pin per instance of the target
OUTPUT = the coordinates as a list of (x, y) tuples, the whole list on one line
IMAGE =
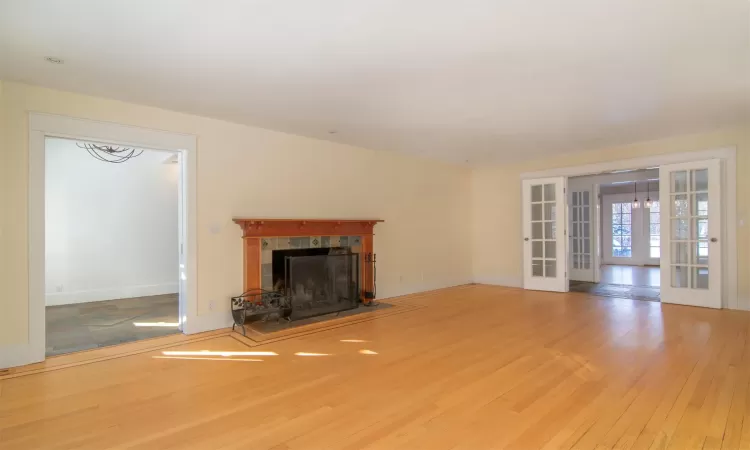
[(328, 258), (317, 281)]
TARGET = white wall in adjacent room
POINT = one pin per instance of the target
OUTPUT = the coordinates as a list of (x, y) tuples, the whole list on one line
[(111, 229)]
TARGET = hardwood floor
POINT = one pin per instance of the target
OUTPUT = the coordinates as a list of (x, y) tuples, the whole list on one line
[(631, 275), (474, 367)]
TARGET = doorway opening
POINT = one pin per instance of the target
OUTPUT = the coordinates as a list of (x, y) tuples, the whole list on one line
[(615, 234), (112, 238), (697, 215)]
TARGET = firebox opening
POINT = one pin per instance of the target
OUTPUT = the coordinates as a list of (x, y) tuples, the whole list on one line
[(280, 255), (317, 281)]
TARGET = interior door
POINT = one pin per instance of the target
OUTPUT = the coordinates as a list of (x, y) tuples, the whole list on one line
[(690, 205), (545, 260), (581, 234)]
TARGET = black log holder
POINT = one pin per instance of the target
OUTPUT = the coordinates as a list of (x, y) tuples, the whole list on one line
[(256, 304)]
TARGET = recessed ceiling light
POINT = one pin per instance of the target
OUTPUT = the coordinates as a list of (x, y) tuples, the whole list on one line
[(53, 60)]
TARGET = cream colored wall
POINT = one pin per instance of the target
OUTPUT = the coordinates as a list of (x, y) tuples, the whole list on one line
[(246, 171), (496, 202)]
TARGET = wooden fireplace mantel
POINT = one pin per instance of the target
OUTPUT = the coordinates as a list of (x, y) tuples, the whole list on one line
[(254, 230), (304, 227)]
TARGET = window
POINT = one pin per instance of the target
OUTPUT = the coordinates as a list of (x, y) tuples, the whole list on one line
[(622, 236), (654, 229)]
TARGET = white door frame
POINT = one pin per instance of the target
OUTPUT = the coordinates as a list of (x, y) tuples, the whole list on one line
[(729, 206), (42, 126)]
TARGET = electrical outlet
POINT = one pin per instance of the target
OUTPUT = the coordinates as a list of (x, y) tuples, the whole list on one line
[(401, 279), (59, 288), (211, 305)]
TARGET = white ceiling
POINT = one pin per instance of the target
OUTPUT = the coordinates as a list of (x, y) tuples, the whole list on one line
[(478, 80)]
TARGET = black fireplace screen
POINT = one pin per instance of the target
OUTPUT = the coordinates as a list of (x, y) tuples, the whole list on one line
[(321, 284)]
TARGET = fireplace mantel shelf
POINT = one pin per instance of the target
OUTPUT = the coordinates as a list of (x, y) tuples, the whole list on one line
[(256, 227)]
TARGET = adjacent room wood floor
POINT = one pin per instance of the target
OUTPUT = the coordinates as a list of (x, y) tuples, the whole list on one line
[(631, 275), (473, 367), (83, 326)]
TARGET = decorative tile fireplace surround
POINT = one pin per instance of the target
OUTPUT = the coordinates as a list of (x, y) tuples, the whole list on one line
[(261, 237)]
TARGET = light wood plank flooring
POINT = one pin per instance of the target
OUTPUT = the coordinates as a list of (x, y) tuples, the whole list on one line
[(631, 275), (474, 367)]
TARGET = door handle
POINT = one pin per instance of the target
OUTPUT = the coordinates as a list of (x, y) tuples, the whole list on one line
[(525, 239), (714, 240)]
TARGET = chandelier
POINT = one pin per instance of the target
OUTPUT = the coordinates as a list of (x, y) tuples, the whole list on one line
[(110, 154)]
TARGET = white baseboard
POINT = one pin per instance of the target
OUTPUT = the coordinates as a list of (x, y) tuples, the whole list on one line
[(208, 322), (18, 355), (97, 295), (406, 289), (516, 282)]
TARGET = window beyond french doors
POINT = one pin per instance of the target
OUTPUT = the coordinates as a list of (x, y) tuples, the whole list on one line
[(654, 229), (622, 230)]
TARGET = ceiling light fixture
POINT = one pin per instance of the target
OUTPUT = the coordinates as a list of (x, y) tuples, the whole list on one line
[(110, 154), (53, 60), (648, 196), (636, 203)]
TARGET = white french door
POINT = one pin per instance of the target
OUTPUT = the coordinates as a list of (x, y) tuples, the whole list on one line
[(582, 206), (690, 208), (544, 246)]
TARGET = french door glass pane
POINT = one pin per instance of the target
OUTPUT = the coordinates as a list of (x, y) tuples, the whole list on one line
[(700, 277), (536, 193), (550, 268), (536, 211), (550, 231), (549, 192), (550, 248), (679, 205), (700, 252), (536, 230), (680, 276), (549, 211), (689, 228), (679, 252), (537, 269), (679, 229), (700, 204), (679, 181), (700, 180), (543, 231)]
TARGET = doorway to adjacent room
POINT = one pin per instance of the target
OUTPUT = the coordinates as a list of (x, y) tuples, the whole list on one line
[(615, 234), (112, 238)]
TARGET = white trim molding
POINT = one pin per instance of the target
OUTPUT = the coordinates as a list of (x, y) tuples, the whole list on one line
[(516, 282), (728, 156), (99, 295), (42, 126)]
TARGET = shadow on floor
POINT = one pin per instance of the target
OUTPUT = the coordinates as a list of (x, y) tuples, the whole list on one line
[(274, 325), (647, 293), (83, 326)]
